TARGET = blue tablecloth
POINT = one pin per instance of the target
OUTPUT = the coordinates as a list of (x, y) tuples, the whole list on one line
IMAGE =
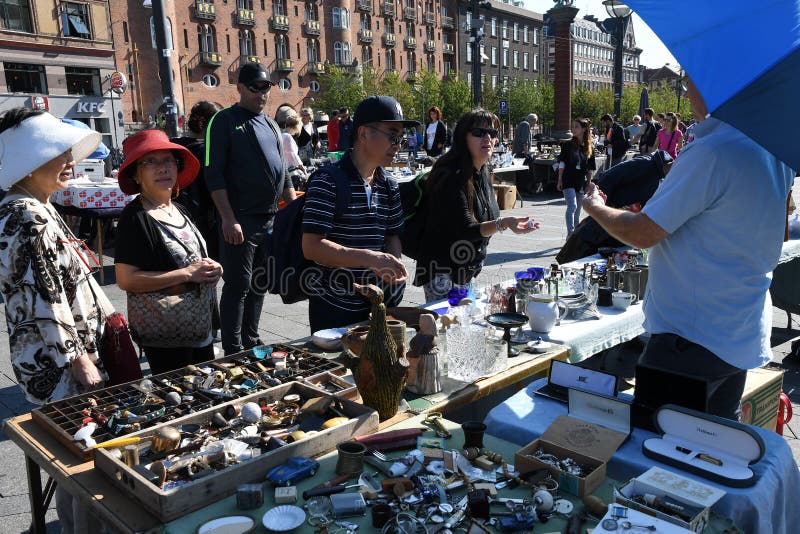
[(768, 507)]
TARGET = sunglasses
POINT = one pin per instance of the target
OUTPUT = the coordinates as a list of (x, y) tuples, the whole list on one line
[(480, 132), (393, 138), (264, 88)]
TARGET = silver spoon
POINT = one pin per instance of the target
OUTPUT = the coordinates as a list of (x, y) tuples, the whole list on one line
[(627, 525)]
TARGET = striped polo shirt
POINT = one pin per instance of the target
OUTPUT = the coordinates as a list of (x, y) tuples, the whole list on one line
[(365, 224)]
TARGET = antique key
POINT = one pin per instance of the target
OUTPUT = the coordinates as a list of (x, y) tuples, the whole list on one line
[(434, 419)]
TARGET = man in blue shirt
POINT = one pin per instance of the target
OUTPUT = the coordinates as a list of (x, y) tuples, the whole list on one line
[(716, 227), (246, 176)]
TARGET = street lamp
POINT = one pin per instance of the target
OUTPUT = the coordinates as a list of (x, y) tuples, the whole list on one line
[(621, 13)]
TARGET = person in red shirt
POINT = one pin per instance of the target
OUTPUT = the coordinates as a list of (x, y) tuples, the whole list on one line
[(333, 131)]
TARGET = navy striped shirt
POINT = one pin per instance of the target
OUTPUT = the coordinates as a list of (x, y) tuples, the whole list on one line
[(365, 224)]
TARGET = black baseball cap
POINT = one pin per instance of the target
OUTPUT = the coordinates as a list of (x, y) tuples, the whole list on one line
[(380, 108), (254, 73)]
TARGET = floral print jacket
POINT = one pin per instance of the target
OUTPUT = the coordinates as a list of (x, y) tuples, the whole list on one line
[(51, 312)]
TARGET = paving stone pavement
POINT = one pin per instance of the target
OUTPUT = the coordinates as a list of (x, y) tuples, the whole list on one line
[(507, 253)]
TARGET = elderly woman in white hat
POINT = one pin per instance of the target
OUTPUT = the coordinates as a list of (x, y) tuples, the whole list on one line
[(54, 321)]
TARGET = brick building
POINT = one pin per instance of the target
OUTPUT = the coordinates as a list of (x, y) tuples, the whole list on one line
[(511, 43), (59, 56), (294, 39)]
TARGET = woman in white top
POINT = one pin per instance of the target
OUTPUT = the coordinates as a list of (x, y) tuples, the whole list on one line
[(294, 163), (435, 133)]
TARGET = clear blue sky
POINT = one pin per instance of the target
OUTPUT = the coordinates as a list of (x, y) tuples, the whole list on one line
[(654, 53)]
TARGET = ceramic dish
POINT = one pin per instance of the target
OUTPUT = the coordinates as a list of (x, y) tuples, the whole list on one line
[(283, 518), (328, 339), (237, 524), (539, 346)]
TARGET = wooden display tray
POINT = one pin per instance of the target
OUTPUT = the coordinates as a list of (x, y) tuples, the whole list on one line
[(176, 502), (64, 417)]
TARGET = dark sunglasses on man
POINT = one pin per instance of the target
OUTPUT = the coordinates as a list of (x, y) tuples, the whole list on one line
[(393, 138), (480, 132), (260, 87)]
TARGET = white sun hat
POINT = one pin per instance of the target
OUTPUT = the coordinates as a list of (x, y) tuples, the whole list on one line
[(37, 140)]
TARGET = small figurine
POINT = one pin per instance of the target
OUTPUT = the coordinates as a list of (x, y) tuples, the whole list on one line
[(423, 347), (294, 470)]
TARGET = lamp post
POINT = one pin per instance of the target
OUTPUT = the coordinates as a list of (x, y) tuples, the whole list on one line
[(621, 13), (476, 38)]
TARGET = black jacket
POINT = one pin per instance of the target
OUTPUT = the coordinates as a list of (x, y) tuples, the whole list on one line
[(439, 139), (619, 144), (454, 244), (648, 137), (635, 180)]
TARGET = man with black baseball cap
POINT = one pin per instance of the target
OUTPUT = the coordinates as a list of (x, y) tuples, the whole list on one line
[(363, 244), (245, 174)]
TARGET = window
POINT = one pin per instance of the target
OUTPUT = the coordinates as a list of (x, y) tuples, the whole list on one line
[(536, 36), (25, 78), (75, 20), (525, 60), (494, 55), (168, 34), (281, 47), (246, 47), (494, 27), (364, 22), (341, 17), (209, 80), (505, 57), (16, 15), (185, 38), (525, 33), (390, 60), (125, 37), (469, 78), (516, 31), (227, 43), (447, 68), (82, 81), (366, 56), (312, 12), (536, 62), (284, 84), (206, 38), (516, 59), (312, 50), (469, 19), (469, 53), (341, 53), (315, 86), (505, 29), (494, 81), (244, 4), (278, 7), (411, 57)]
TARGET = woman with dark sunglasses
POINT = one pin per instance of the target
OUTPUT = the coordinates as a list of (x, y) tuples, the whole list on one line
[(460, 209)]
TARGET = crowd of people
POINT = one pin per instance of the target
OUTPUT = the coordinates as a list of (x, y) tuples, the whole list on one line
[(206, 204)]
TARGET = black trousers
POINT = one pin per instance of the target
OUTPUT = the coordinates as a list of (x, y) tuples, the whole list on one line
[(724, 382), (162, 360), (240, 303)]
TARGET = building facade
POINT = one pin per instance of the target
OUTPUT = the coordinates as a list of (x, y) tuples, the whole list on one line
[(593, 52), (511, 45), (294, 39), (59, 56)]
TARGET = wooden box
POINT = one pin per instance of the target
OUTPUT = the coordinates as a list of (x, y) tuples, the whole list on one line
[(761, 397), (175, 502), (506, 196), (335, 385)]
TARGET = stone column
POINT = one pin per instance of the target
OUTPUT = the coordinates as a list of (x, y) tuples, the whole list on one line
[(562, 17)]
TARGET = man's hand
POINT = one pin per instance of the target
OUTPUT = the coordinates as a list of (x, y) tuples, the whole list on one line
[(232, 231), (388, 268), (594, 197)]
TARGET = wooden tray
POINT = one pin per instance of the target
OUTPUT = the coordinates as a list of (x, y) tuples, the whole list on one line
[(335, 385), (176, 502)]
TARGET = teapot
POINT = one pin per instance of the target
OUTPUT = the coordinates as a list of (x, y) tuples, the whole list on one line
[(544, 312)]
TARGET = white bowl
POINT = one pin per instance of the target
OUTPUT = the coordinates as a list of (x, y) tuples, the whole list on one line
[(539, 346), (283, 518), (328, 339)]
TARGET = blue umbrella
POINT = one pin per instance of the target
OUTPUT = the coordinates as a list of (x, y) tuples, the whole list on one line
[(644, 101), (742, 56)]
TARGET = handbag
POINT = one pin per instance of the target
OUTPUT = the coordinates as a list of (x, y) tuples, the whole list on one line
[(177, 318)]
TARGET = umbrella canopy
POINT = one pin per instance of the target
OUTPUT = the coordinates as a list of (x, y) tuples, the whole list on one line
[(644, 101), (742, 56)]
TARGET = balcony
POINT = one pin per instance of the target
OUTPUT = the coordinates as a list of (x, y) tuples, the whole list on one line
[(429, 17), (249, 59), (280, 23), (448, 23), (284, 65), (410, 42), (311, 27), (410, 13), (411, 76), (389, 40), (245, 17), (210, 59), (364, 6), (448, 48), (316, 67), (430, 45), (365, 36), (205, 10), (387, 9)]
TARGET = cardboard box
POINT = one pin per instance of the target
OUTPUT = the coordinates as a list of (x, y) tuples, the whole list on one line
[(580, 437), (697, 496), (506, 195), (761, 397), (93, 169)]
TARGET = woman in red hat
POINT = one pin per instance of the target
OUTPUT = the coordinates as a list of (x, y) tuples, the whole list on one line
[(161, 258)]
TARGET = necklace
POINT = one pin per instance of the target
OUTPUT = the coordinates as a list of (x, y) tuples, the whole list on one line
[(17, 186), (153, 206)]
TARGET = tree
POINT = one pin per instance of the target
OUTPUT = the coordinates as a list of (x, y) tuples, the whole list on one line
[(339, 88), (456, 99)]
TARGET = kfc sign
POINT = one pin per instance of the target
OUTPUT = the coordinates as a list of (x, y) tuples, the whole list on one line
[(40, 103), (91, 107)]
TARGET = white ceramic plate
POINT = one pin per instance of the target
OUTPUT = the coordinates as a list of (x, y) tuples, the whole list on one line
[(284, 518), (328, 339), (238, 524)]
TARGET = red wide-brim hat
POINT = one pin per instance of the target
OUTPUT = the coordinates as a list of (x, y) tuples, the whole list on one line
[(146, 141)]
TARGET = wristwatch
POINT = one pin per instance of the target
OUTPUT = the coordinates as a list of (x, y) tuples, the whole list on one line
[(499, 224)]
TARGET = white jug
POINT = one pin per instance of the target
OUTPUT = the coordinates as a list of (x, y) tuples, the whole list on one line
[(544, 312)]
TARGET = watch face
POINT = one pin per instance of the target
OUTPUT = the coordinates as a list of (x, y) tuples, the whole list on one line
[(609, 524)]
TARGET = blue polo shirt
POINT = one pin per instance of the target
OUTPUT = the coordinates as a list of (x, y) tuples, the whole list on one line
[(724, 207)]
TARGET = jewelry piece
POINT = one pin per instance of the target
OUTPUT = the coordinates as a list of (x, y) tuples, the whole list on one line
[(162, 207), (499, 224)]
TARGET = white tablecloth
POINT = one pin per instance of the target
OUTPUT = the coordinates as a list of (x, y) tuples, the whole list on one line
[(790, 251), (83, 193)]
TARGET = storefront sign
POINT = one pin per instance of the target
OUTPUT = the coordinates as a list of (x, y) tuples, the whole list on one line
[(90, 107), (118, 82), (40, 103)]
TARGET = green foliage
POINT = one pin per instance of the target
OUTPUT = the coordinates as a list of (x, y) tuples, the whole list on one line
[(426, 93), (340, 88), (591, 104), (456, 99)]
